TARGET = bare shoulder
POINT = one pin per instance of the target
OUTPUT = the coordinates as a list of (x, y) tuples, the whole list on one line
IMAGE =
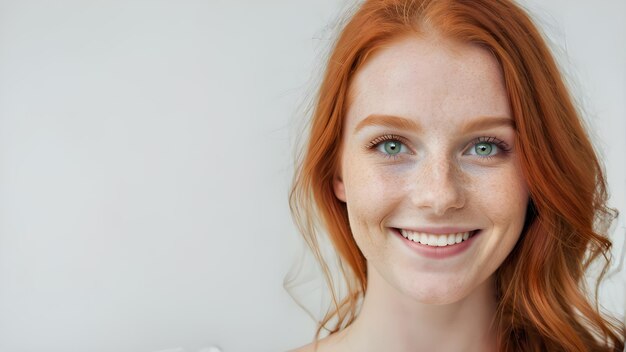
[(321, 346), (305, 348), (330, 343)]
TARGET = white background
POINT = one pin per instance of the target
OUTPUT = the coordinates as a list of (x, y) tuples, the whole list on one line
[(146, 155)]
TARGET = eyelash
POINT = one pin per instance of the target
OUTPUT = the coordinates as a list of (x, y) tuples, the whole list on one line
[(384, 138), (500, 144)]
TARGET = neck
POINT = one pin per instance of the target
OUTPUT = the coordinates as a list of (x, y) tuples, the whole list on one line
[(392, 321)]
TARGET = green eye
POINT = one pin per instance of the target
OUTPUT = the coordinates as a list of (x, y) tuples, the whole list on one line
[(389, 146), (392, 147), (483, 148), (486, 148)]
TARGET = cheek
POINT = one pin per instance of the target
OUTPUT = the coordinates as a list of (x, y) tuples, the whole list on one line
[(372, 195), (371, 190), (502, 196)]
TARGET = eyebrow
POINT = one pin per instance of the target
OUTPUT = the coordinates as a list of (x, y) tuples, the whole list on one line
[(388, 121), (486, 122), (402, 123)]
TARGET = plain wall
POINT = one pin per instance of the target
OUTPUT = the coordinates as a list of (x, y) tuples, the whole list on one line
[(146, 154)]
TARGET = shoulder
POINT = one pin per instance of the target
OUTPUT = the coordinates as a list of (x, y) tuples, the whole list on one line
[(306, 348), (332, 343), (320, 346)]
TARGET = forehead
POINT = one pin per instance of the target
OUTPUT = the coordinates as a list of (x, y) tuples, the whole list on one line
[(430, 77)]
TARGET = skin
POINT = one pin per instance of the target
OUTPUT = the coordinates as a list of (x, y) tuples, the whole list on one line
[(436, 177)]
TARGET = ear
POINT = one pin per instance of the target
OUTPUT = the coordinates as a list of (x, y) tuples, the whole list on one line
[(339, 188)]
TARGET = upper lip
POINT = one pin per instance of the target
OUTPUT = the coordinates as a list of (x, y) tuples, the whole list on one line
[(438, 230)]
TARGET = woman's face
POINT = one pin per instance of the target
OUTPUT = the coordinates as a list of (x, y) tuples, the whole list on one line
[(428, 153)]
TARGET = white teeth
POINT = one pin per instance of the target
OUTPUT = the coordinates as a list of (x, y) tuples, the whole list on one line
[(435, 240)]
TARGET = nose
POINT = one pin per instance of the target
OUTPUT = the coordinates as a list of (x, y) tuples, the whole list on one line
[(439, 186)]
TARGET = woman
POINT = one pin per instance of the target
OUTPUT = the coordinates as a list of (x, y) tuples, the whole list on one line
[(452, 173)]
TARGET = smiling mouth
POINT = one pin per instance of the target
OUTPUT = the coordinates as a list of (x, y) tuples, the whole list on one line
[(436, 240)]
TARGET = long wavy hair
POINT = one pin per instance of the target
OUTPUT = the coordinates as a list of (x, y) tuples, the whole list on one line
[(543, 302)]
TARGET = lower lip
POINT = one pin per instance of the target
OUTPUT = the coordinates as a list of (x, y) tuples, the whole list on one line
[(433, 252)]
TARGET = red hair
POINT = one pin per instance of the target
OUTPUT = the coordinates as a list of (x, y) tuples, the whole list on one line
[(543, 304)]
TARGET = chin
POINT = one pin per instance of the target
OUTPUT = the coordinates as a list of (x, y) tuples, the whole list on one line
[(437, 299), (440, 294)]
